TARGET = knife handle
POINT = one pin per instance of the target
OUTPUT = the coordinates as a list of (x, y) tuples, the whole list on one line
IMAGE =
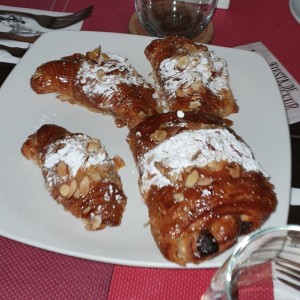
[(20, 38)]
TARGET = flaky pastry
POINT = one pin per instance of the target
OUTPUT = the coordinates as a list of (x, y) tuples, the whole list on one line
[(188, 76), (102, 82), (79, 174), (201, 184)]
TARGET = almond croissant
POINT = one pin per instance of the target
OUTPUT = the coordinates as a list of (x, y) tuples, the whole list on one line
[(78, 174), (188, 76), (101, 82), (201, 183)]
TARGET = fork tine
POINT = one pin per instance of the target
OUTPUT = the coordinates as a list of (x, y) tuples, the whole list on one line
[(290, 284), (289, 269), (87, 10), (71, 19), (288, 274), (288, 264)]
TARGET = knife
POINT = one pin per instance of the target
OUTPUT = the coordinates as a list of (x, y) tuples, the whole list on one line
[(16, 37), (14, 51), (5, 68)]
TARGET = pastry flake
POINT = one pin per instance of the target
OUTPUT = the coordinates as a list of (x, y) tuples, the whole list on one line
[(78, 174)]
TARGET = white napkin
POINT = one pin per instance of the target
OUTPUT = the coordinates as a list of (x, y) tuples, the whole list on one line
[(25, 26)]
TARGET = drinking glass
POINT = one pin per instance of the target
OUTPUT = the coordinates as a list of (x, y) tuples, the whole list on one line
[(187, 18), (264, 265)]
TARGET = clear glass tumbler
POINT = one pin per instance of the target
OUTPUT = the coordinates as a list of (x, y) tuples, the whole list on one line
[(163, 18), (264, 265)]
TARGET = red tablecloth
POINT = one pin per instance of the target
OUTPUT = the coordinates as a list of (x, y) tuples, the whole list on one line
[(30, 273)]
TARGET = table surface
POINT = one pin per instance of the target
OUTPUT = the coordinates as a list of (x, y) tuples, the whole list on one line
[(32, 273)]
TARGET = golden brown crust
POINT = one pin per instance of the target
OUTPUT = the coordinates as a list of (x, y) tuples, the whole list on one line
[(101, 82), (198, 205), (189, 77), (78, 174)]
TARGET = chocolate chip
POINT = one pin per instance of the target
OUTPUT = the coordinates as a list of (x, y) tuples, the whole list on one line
[(207, 244), (246, 227)]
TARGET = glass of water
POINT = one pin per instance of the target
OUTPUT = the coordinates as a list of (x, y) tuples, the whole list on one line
[(264, 265)]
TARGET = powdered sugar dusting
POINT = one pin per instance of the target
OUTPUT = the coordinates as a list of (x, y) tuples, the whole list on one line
[(195, 148), (205, 66), (102, 77), (180, 114), (72, 151)]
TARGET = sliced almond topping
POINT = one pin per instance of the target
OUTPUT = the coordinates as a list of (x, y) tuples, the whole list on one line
[(158, 136), (235, 172), (175, 177), (73, 187), (77, 193), (194, 62), (189, 91), (196, 86), (64, 190), (186, 85), (192, 179), (100, 74), (188, 169), (105, 56), (204, 180), (62, 169), (178, 197), (86, 210), (190, 47), (180, 93), (84, 186), (93, 146), (182, 62), (93, 55), (119, 162), (195, 104), (160, 168), (196, 98), (142, 115), (97, 220), (216, 165)]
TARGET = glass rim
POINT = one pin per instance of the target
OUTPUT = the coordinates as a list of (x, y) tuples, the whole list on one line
[(244, 242)]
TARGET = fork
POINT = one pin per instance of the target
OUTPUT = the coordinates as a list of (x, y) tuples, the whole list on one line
[(54, 22), (290, 270), (14, 51)]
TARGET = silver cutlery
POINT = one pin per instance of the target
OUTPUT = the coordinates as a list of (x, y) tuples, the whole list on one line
[(9, 35), (291, 270), (54, 22), (14, 51)]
